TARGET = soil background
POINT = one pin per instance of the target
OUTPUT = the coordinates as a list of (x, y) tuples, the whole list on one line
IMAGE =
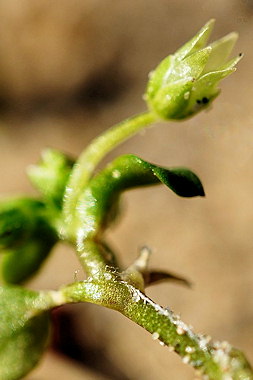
[(68, 71)]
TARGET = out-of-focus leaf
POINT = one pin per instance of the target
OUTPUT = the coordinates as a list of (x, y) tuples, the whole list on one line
[(18, 265), (24, 330), (26, 238), (51, 175)]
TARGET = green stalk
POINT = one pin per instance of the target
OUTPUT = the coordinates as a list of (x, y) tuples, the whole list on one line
[(216, 360), (95, 152)]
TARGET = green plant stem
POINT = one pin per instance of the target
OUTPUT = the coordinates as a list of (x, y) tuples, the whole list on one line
[(218, 361), (105, 285), (95, 152), (93, 259)]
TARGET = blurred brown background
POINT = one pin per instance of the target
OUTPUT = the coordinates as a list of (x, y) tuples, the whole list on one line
[(69, 70)]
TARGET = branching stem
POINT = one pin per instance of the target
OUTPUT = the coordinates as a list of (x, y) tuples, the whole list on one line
[(107, 287), (95, 152)]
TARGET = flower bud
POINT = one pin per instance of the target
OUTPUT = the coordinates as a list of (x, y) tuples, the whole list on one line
[(186, 82)]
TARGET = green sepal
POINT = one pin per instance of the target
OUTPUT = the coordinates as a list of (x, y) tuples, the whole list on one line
[(51, 174), (192, 66), (170, 100), (24, 331), (197, 42), (157, 77), (205, 90), (126, 172), (221, 50), (26, 238), (174, 74)]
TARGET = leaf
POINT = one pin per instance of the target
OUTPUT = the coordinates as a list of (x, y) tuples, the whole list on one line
[(180, 180), (18, 265), (26, 238), (154, 276), (16, 221), (128, 171), (24, 331), (50, 176)]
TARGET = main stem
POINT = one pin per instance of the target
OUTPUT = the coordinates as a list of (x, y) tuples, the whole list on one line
[(95, 152), (218, 360)]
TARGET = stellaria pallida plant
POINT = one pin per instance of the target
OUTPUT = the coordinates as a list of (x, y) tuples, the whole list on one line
[(77, 206)]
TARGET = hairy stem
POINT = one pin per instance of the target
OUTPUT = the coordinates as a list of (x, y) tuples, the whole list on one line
[(216, 361), (95, 152)]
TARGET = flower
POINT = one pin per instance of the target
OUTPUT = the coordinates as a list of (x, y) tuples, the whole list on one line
[(186, 82)]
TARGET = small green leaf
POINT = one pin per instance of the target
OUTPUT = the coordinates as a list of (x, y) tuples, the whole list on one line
[(26, 238), (16, 222), (18, 265), (128, 171), (50, 176), (24, 331), (180, 180)]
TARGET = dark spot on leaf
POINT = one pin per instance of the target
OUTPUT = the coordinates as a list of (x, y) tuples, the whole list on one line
[(205, 100)]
